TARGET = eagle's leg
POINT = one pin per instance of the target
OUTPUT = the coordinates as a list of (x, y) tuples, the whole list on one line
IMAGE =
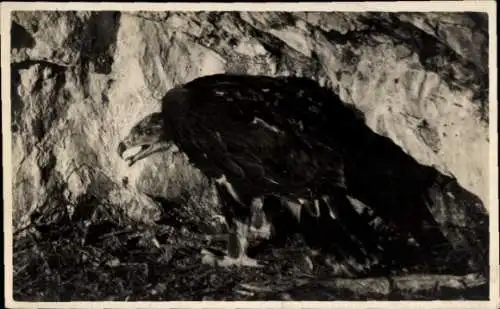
[(260, 223), (236, 249), (237, 246), (239, 222)]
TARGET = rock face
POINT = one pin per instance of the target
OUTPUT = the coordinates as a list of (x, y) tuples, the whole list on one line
[(81, 80)]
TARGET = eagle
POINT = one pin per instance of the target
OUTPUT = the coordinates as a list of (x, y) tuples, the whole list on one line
[(246, 133), (290, 143)]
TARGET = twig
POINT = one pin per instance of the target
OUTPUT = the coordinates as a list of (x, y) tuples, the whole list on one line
[(115, 233)]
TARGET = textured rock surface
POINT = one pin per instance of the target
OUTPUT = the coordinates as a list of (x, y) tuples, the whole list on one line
[(80, 81)]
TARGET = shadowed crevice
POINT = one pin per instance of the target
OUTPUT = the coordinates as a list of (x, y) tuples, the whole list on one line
[(20, 38), (103, 30), (99, 46)]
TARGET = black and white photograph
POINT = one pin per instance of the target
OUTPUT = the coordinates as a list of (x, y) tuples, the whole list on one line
[(250, 153)]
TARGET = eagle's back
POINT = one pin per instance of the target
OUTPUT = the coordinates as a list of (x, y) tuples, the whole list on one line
[(239, 126), (298, 103)]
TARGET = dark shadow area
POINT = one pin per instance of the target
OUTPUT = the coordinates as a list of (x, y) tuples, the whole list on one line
[(103, 29), (481, 21), (20, 38), (99, 46)]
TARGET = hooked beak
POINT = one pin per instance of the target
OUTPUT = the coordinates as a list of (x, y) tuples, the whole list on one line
[(122, 147), (138, 152)]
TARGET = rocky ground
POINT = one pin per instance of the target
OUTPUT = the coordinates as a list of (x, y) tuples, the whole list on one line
[(116, 259), (81, 80)]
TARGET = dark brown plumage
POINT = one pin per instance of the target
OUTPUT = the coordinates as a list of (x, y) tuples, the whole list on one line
[(288, 140), (238, 135)]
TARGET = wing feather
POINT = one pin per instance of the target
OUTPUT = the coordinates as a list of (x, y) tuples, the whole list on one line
[(238, 125)]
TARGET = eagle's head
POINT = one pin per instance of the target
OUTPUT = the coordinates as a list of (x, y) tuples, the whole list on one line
[(145, 138)]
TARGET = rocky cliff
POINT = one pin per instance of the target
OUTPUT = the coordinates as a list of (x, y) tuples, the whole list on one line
[(81, 80)]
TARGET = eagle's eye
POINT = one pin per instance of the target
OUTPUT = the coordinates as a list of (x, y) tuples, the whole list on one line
[(148, 131)]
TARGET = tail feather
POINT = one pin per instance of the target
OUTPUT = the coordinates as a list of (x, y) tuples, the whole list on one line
[(341, 232)]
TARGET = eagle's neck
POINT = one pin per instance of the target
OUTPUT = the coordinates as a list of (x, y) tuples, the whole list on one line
[(175, 105)]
